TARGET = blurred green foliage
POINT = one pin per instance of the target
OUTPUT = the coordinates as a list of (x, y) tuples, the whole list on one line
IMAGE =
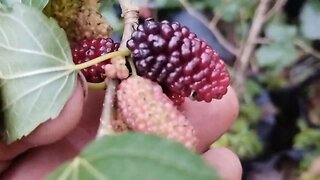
[(310, 20), (273, 58), (242, 137), (308, 140)]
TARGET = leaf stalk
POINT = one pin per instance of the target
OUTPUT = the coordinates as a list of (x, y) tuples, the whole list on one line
[(101, 59)]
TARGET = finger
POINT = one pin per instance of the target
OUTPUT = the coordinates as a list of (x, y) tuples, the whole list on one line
[(4, 165), (39, 162), (49, 131), (211, 120), (87, 128), (55, 129), (225, 162)]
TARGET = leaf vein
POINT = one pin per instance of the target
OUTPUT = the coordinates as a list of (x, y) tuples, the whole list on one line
[(66, 173), (37, 72), (4, 36), (33, 102), (91, 169), (28, 51), (58, 93), (34, 89), (26, 28), (57, 41)]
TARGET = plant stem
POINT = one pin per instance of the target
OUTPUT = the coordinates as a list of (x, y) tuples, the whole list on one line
[(133, 68), (250, 44), (101, 59), (305, 47), (108, 109), (97, 86), (130, 13), (211, 26)]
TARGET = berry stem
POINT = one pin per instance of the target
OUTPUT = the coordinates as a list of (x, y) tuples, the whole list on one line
[(108, 109), (96, 86), (133, 68), (130, 14), (101, 59)]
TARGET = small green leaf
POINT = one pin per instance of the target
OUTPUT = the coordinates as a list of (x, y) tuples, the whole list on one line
[(135, 156), (310, 21), (39, 4), (36, 74), (276, 55), (108, 12), (230, 10), (281, 32)]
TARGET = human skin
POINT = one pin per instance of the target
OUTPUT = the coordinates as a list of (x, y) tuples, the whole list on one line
[(57, 140)]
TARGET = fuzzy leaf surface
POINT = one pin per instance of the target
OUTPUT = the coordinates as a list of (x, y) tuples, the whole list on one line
[(135, 156), (36, 78)]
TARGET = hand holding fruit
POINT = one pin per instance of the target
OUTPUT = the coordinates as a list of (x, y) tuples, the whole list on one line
[(175, 77), (55, 141)]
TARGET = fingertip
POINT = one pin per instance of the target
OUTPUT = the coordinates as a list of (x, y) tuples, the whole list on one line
[(211, 120), (225, 162), (55, 129)]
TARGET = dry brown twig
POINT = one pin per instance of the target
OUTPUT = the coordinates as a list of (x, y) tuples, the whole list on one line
[(276, 8), (244, 55), (306, 48), (130, 14), (256, 27), (262, 15), (211, 26)]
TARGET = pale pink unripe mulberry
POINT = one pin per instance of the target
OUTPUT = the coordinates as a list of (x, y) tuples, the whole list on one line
[(145, 108)]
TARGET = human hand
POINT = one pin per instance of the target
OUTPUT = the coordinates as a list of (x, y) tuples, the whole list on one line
[(36, 155)]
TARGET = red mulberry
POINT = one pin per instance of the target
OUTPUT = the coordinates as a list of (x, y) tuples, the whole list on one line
[(178, 60), (89, 49)]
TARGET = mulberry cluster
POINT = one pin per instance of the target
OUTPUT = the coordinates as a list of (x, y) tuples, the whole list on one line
[(179, 61)]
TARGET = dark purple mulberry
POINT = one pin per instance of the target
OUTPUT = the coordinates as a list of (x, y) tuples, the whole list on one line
[(178, 60), (89, 49)]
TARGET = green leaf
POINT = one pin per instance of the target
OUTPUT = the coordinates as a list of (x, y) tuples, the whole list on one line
[(310, 21), (159, 4), (35, 69), (230, 10), (135, 156), (281, 32), (39, 4), (315, 4), (241, 139), (108, 12), (276, 55)]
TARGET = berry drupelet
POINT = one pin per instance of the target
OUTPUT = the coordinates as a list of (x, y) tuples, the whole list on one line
[(89, 49), (179, 61)]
